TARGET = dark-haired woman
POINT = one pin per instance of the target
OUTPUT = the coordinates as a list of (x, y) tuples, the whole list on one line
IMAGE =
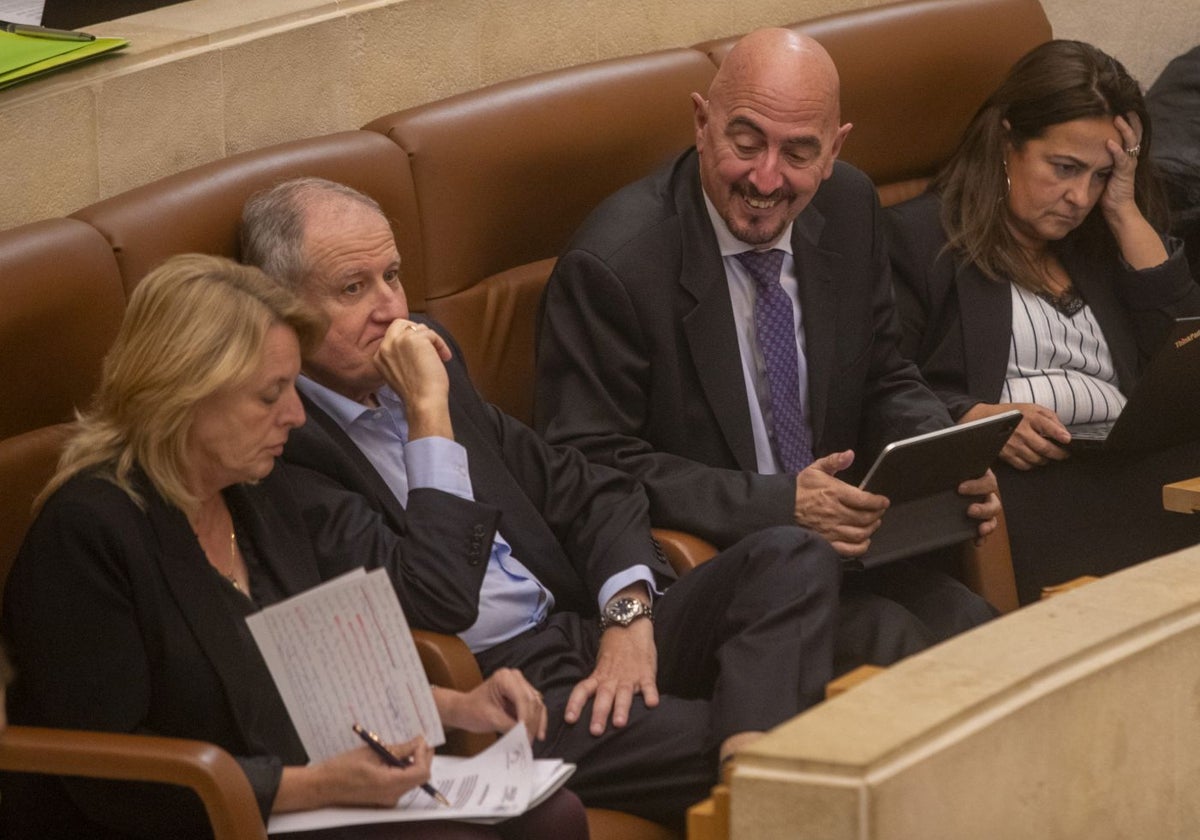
[(1034, 275)]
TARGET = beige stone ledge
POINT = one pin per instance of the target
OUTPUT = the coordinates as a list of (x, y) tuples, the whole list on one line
[(208, 78), (1076, 717)]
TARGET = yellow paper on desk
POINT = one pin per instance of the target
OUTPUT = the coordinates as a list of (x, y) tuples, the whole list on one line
[(23, 57)]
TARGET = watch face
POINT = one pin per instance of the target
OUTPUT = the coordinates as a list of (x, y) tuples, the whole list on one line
[(624, 610)]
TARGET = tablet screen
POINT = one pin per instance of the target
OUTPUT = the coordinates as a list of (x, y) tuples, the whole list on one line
[(936, 461)]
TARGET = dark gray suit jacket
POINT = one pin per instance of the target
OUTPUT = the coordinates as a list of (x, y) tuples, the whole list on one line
[(571, 523), (638, 360), (118, 623)]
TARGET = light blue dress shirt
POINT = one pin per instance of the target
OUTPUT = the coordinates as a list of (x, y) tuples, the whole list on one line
[(511, 599)]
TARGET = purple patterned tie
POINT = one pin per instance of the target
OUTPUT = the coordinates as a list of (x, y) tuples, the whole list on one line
[(776, 327)]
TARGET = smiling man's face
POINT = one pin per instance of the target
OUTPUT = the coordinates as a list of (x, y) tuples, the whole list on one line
[(768, 134)]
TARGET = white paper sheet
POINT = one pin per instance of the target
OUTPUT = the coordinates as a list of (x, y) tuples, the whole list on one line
[(500, 782), (341, 654)]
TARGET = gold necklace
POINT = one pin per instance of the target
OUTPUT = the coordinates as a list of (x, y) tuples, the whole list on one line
[(229, 576)]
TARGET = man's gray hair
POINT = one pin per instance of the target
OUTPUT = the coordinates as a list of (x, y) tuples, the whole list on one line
[(272, 229)]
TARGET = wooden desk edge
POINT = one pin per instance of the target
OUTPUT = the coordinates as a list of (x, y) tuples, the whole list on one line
[(1182, 496)]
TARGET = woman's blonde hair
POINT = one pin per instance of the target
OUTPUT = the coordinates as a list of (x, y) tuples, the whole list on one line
[(194, 326)]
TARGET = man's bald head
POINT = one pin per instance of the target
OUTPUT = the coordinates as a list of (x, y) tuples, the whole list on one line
[(768, 132), (780, 65)]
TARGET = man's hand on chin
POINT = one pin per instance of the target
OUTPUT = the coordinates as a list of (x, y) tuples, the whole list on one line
[(412, 360)]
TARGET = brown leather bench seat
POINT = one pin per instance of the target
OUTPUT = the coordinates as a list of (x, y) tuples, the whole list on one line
[(483, 189)]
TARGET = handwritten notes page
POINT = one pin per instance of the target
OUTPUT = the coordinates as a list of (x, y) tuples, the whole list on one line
[(498, 783), (341, 654)]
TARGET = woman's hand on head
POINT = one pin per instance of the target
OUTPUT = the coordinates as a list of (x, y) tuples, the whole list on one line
[(357, 777), (1119, 194), (1038, 439), (1140, 244)]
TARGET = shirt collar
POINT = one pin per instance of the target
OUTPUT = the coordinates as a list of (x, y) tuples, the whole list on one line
[(342, 409), (730, 244)]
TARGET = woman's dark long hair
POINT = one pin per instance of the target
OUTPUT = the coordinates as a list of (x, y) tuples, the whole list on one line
[(1054, 83)]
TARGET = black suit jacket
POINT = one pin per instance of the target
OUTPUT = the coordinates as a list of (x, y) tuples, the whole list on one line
[(571, 523), (957, 324), (118, 623), (638, 360)]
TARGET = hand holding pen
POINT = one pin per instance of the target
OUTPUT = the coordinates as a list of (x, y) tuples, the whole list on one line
[(380, 749)]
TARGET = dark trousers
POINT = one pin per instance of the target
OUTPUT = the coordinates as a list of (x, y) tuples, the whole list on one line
[(900, 608), (1094, 514), (745, 642)]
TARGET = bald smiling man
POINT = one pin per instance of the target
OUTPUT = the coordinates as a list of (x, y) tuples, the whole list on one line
[(723, 330)]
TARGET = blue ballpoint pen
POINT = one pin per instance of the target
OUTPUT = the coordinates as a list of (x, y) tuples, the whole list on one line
[(372, 741)]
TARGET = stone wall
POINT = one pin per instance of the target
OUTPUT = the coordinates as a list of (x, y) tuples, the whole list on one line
[(208, 78), (1076, 717)]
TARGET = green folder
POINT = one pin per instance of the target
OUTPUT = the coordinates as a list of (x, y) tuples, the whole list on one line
[(24, 57)]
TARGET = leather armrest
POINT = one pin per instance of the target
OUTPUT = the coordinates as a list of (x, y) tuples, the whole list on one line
[(684, 552), (205, 768), (988, 569), (449, 663), (447, 660)]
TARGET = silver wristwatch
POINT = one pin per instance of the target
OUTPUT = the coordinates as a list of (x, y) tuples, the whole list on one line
[(622, 612)]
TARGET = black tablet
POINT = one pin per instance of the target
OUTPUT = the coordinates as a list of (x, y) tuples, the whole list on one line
[(920, 475), (930, 463)]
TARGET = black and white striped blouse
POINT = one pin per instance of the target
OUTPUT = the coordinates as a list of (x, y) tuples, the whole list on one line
[(1061, 362)]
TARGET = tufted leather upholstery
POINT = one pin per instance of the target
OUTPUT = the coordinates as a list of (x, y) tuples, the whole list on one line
[(61, 303), (507, 173), (198, 209), (483, 190)]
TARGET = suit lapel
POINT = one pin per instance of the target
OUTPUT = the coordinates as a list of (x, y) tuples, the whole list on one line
[(520, 522), (814, 276), (280, 545), (221, 633), (986, 308), (709, 326), (340, 458)]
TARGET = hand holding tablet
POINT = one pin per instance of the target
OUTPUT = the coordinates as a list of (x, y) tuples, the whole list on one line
[(920, 477)]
